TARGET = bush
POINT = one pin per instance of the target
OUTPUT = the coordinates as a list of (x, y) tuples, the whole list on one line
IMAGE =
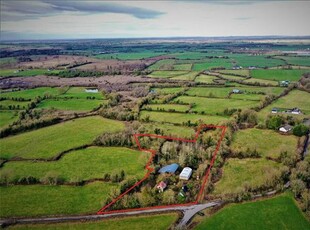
[(300, 130)]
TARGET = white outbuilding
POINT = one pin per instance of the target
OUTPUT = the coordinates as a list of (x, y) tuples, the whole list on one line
[(186, 173)]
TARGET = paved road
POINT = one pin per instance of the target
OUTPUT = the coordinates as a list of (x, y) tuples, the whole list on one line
[(188, 211)]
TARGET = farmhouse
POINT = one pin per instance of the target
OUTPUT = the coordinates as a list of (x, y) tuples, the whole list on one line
[(161, 186), (285, 129), (236, 91), (296, 111), (169, 168), (284, 83), (186, 173)]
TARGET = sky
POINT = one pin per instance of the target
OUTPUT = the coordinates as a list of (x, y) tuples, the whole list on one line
[(65, 19)]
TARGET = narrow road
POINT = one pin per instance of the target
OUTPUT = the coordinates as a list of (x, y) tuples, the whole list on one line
[(188, 211)]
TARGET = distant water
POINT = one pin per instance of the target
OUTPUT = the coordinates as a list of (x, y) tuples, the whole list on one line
[(91, 90)]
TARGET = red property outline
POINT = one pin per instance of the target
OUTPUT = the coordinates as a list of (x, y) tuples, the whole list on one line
[(150, 169)]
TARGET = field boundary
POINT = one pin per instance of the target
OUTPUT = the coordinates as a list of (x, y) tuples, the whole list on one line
[(150, 169)]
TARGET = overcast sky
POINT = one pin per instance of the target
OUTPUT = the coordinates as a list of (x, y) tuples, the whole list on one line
[(48, 19)]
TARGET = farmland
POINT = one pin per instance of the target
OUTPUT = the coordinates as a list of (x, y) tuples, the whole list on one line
[(269, 214), (253, 173), (84, 164), (71, 105), (161, 221), (278, 75), (24, 73), (266, 142), (49, 141), (7, 117), (31, 93), (21, 200), (167, 107)]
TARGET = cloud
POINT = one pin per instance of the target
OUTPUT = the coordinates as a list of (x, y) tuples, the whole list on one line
[(243, 18), (21, 10)]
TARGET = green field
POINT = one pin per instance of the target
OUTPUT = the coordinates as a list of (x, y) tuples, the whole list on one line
[(238, 173), (212, 63), (70, 104), (80, 93), (158, 222), (301, 61), (85, 164), (25, 73), (278, 74), (7, 117), (267, 142), (50, 141), (261, 81), (167, 74), (241, 72), (245, 60), (215, 106), (167, 90), (43, 200), (280, 212), (206, 79), (187, 67), (6, 104), (179, 118), (186, 77), (165, 64), (295, 98), (129, 56), (32, 93), (167, 107), (169, 130), (232, 77)]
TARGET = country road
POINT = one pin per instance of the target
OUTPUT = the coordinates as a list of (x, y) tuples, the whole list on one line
[(188, 213)]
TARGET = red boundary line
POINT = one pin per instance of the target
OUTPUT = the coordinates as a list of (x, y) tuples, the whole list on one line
[(153, 152)]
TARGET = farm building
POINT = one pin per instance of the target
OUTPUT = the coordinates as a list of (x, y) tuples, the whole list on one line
[(285, 129), (186, 173), (296, 111), (161, 186), (169, 168), (236, 91), (284, 83)]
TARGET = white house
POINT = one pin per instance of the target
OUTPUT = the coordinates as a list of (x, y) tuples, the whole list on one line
[(296, 111), (186, 173), (285, 129)]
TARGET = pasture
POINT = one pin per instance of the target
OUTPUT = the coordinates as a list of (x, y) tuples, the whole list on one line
[(266, 142), (185, 67), (7, 117), (161, 221), (261, 81), (166, 74), (202, 78), (81, 105), (278, 74), (10, 104), (49, 141), (84, 164), (167, 107), (25, 73), (167, 90), (169, 129), (212, 63), (215, 106), (240, 173), (179, 118), (129, 56), (246, 60), (241, 72), (44, 200), (186, 77), (32, 93), (80, 93), (165, 64), (280, 212)]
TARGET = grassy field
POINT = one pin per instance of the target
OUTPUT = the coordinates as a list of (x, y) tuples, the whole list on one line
[(232, 77), (179, 118), (167, 74), (158, 222), (245, 60), (205, 79), (278, 74), (31, 93), (70, 104), (302, 61), (43, 200), (129, 56), (167, 107), (7, 117), (80, 93), (170, 130), (185, 67), (215, 106), (222, 92), (85, 164), (261, 81), (167, 90), (295, 98), (241, 72), (6, 104), (267, 142), (165, 64), (48, 142), (238, 173), (186, 77), (212, 63), (25, 73), (280, 212)]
